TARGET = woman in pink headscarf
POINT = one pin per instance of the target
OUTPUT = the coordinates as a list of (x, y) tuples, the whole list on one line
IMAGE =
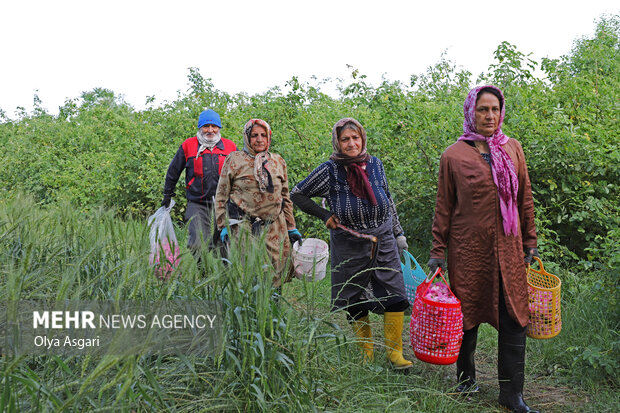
[(484, 218)]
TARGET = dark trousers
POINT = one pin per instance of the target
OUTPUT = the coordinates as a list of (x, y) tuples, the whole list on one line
[(384, 304), (510, 351), (199, 217)]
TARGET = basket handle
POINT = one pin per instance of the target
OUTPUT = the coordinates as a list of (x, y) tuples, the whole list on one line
[(408, 257), (439, 271), (413, 261), (540, 263)]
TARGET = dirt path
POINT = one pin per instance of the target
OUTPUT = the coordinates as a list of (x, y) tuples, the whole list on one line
[(541, 391), (538, 392)]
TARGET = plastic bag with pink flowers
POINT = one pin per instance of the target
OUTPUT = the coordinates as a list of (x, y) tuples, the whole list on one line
[(165, 252)]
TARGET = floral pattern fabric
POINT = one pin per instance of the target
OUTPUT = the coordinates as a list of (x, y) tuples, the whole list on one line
[(238, 183)]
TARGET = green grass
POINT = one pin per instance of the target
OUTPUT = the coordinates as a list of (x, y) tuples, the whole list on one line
[(291, 355)]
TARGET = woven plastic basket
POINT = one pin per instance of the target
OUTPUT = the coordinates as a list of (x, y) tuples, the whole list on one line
[(412, 275), (544, 303), (435, 329)]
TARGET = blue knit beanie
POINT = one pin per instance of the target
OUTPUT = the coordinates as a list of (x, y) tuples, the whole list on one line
[(209, 117)]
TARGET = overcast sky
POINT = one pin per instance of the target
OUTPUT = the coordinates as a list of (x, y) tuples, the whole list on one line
[(61, 48)]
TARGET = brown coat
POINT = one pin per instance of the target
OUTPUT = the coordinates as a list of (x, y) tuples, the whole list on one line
[(468, 223)]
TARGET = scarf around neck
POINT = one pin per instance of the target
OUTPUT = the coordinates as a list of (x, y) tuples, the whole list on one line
[(357, 176), (502, 167), (261, 159), (205, 142)]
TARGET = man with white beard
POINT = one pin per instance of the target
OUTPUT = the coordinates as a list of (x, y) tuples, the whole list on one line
[(202, 157)]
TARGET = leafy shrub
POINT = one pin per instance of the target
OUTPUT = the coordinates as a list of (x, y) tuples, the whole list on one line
[(99, 151)]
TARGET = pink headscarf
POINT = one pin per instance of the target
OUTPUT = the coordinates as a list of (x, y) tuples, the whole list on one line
[(502, 167)]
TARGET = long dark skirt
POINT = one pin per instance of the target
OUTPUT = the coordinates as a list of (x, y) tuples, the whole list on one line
[(367, 281)]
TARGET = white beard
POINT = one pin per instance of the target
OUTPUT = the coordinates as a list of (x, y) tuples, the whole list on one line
[(207, 142)]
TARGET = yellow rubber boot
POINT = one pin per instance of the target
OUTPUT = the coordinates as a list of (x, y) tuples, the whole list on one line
[(362, 330), (393, 331)]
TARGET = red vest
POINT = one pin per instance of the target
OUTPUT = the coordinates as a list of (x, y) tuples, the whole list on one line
[(190, 148)]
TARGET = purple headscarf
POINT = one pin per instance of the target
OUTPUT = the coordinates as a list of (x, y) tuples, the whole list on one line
[(502, 167)]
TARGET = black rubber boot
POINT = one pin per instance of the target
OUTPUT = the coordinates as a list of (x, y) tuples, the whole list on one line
[(465, 365), (510, 372)]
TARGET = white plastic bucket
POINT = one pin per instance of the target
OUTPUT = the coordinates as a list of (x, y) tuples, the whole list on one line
[(310, 258)]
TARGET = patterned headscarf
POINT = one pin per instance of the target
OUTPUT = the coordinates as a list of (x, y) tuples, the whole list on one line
[(357, 176), (502, 167), (337, 155), (261, 159)]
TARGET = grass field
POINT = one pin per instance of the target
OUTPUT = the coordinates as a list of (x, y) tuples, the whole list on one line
[(279, 355)]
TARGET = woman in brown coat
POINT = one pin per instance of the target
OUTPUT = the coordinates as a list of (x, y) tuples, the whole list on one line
[(484, 217)]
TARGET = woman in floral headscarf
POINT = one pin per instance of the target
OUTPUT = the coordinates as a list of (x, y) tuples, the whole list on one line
[(253, 193), (484, 217), (363, 278)]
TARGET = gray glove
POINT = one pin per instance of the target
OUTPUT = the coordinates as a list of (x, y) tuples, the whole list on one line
[(435, 263), (529, 254), (401, 242)]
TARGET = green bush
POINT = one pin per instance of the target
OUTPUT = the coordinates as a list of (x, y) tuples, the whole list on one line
[(99, 151)]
